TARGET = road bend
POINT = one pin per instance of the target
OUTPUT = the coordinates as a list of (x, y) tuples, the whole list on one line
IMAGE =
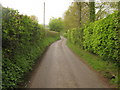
[(61, 68)]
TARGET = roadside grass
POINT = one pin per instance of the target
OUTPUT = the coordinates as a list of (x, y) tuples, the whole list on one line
[(107, 69)]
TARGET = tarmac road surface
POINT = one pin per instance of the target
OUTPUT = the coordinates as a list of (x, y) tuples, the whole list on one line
[(61, 68)]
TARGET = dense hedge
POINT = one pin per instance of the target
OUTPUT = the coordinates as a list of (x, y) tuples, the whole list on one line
[(24, 40), (75, 36), (100, 37)]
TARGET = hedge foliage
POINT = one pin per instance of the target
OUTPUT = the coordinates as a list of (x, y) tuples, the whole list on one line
[(100, 37), (24, 40)]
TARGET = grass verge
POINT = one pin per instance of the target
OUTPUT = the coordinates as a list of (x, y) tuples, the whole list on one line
[(107, 69)]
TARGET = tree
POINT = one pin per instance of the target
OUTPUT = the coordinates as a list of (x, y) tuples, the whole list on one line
[(56, 24), (71, 17), (34, 18), (92, 11), (105, 8), (119, 8), (77, 15), (79, 12)]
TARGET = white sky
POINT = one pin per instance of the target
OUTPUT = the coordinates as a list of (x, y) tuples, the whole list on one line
[(54, 8)]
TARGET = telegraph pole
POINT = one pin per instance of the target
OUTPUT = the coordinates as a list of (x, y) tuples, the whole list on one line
[(44, 16), (44, 19)]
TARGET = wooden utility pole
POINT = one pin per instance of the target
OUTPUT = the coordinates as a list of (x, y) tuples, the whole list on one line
[(44, 16), (44, 20)]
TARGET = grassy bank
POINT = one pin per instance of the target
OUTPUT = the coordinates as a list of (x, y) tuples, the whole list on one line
[(107, 69)]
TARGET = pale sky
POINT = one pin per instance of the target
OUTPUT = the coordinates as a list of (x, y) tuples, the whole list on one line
[(54, 8)]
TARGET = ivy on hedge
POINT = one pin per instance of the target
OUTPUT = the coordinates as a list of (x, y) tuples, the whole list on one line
[(23, 40), (100, 37)]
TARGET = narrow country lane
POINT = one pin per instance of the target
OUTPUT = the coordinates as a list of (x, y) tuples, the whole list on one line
[(61, 68)]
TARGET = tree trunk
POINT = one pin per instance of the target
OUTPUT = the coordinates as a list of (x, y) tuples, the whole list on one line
[(119, 8), (79, 12), (119, 40), (92, 11)]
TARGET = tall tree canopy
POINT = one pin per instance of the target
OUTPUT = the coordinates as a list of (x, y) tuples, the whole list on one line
[(34, 18), (77, 15), (56, 24), (81, 13)]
